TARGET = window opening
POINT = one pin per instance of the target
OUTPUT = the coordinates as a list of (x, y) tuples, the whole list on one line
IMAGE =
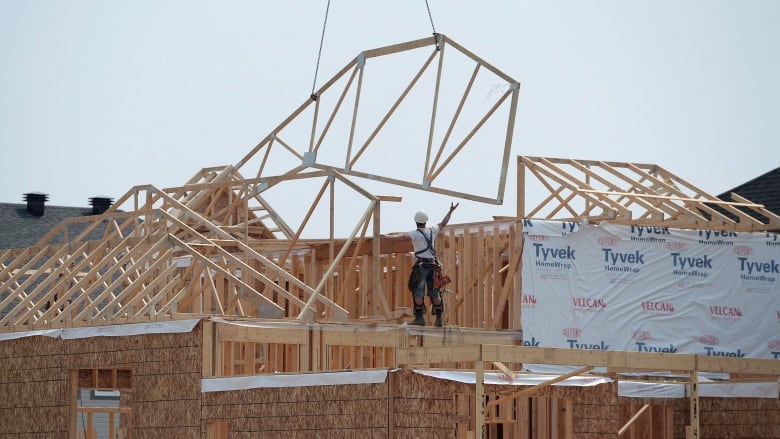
[(100, 403)]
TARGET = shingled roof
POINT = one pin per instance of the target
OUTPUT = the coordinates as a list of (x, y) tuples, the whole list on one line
[(19, 228), (764, 189)]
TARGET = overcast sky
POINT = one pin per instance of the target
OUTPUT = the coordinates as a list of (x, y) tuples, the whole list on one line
[(99, 96)]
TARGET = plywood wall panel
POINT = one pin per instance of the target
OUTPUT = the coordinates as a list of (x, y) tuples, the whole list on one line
[(165, 395)]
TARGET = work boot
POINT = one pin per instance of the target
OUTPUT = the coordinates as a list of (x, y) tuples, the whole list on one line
[(438, 310), (419, 311)]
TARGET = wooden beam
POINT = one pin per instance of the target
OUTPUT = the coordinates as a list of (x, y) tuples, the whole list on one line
[(633, 419), (73, 396), (630, 360), (692, 430), (738, 365), (362, 337), (479, 399), (401, 47), (438, 354), (208, 351), (533, 389), (502, 367), (278, 333)]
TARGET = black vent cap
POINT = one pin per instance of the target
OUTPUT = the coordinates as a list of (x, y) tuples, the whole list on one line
[(100, 204), (36, 202)]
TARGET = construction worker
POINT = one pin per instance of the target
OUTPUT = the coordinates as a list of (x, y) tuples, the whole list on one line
[(423, 240)]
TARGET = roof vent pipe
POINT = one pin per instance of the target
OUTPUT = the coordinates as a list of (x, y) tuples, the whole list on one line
[(36, 202), (100, 204)]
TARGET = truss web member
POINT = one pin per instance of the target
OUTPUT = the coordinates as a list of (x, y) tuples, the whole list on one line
[(422, 277)]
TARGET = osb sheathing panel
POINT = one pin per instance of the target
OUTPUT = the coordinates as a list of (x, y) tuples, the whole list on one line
[(166, 368), (33, 388), (324, 412), (739, 418)]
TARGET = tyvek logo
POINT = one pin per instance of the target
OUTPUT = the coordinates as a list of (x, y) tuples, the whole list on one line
[(555, 253), (645, 347), (533, 342), (554, 257), (697, 267), (709, 339), (623, 262), (713, 352), (568, 227), (771, 239), (571, 332), (743, 250), (608, 241), (751, 267), (758, 270), (575, 344), (537, 238), (716, 237), (650, 234), (641, 335)]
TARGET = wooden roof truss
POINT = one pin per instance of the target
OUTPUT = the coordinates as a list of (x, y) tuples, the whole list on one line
[(632, 194), (438, 157)]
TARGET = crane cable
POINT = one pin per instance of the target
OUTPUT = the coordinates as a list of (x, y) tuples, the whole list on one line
[(319, 53), (322, 40), (430, 17)]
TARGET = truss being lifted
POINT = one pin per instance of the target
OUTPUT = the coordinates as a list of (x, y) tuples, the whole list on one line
[(439, 144), (633, 194), (218, 246)]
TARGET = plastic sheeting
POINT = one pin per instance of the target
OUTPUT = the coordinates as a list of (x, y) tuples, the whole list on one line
[(521, 379), (635, 389), (166, 327), (630, 389), (293, 380), (53, 333), (651, 289), (293, 324)]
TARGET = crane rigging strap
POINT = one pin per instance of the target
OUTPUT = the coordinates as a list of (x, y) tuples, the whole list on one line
[(322, 40), (319, 52), (430, 17)]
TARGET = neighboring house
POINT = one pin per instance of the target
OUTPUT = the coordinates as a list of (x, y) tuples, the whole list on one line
[(23, 225), (764, 189)]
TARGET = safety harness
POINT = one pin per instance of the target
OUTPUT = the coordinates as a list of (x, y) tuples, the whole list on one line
[(428, 241)]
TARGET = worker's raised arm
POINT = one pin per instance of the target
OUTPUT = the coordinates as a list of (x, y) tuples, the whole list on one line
[(446, 218), (395, 236)]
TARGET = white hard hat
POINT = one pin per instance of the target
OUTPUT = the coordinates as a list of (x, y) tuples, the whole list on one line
[(421, 217)]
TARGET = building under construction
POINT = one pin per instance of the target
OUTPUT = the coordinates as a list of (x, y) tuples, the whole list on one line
[(212, 315)]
